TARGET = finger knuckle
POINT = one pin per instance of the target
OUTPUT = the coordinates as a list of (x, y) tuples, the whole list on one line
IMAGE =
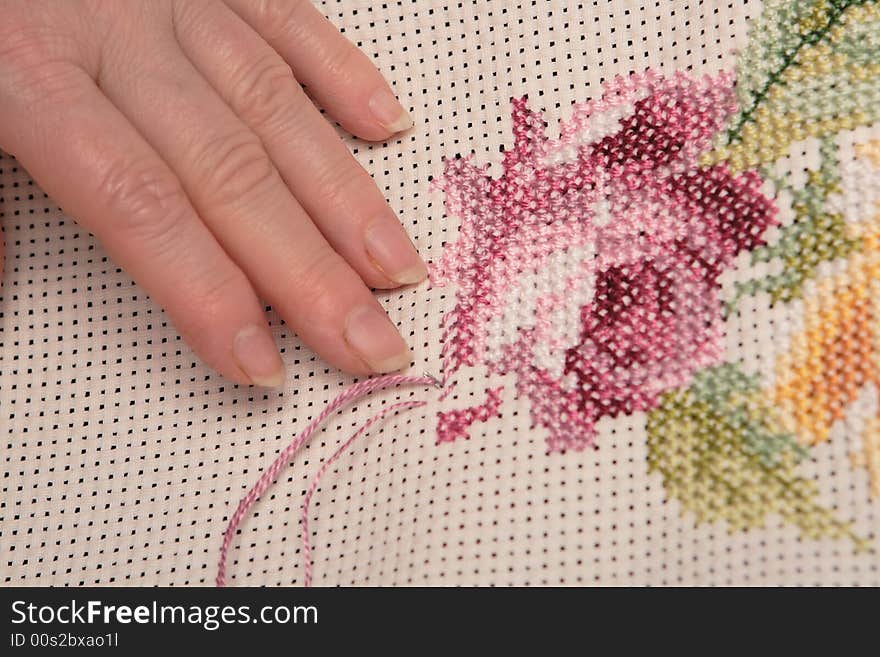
[(211, 291), (343, 60), (35, 71), (339, 182), (189, 15), (145, 200), (236, 167), (46, 87), (267, 91), (317, 283), (20, 49), (278, 18), (28, 35)]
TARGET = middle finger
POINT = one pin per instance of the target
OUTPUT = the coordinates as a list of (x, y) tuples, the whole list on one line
[(333, 188)]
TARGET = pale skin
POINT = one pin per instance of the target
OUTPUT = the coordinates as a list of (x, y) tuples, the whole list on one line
[(178, 132)]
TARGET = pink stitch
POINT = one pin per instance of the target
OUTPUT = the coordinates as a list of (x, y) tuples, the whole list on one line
[(589, 268), (454, 424)]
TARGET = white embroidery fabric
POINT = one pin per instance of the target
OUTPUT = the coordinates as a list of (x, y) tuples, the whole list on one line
[(124, 455)]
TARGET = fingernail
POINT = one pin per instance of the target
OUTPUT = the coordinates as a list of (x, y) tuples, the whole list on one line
[(375, 339), (393, 252), (389, 112), (256, 354)]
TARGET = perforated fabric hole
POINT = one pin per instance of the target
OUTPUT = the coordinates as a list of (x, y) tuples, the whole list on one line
[(123, 455)]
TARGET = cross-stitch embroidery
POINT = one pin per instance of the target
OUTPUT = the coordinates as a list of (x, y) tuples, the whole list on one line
[(590, 268), (591, 272)]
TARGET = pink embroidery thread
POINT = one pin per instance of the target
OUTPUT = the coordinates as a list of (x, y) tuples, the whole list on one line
[(589, 269), (270, 474), (306, 540)]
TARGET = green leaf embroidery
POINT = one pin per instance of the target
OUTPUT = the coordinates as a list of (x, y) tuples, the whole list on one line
[(810, 70), (818, 234), (721, 455)]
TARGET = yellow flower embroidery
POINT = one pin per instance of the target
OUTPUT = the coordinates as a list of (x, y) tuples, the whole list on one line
[(838, 353)]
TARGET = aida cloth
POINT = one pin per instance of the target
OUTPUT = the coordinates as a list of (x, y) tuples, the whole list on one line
[(655, 244)]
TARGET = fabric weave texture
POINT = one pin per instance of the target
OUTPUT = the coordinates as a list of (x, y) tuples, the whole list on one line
[(654, 235)]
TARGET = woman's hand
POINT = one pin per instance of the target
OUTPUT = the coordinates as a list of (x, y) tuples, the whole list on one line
[(178, 133)]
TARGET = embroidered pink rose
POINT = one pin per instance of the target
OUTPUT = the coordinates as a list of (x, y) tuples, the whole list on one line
[(589, 269)]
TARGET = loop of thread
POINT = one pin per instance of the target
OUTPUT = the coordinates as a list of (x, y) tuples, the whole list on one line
[(270, 474), (306, 543)]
